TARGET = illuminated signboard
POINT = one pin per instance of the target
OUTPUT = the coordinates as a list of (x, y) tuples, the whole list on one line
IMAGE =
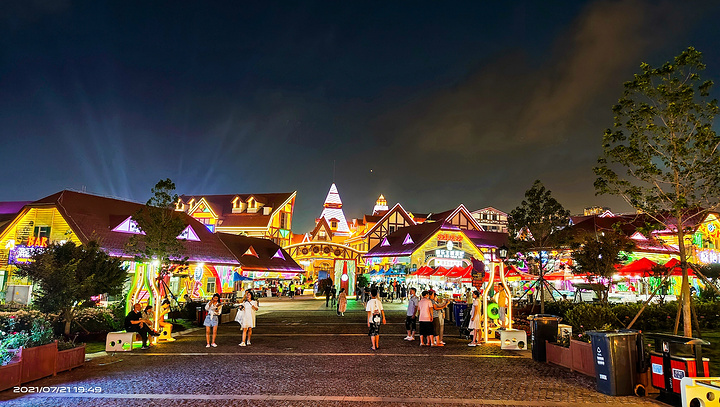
[(709, 256), (23, 254)]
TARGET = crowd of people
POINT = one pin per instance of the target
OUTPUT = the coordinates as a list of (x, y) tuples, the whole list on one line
[(425, 316)]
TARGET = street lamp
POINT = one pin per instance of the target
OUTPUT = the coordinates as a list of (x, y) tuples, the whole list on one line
[(502, 252)]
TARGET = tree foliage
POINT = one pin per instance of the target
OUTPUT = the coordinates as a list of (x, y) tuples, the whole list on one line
[(161, 225), (538, 222), (67, 275), (662, 156), (597, 256)]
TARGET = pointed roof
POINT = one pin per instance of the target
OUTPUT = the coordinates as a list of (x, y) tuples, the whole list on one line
[(332, 209), (266, 257)]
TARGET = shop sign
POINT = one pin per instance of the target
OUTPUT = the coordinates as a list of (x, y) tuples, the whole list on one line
[(447, 263), (449, 237), (450, 254), (708, 256), (37, 241), (23, 254)]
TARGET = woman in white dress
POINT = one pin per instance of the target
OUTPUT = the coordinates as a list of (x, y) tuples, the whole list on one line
[(248, 308), (475, 315)]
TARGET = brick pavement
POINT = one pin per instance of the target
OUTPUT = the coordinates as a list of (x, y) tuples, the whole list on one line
[(302, 354)]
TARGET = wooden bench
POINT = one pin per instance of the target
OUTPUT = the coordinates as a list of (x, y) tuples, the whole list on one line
[(116, 341)]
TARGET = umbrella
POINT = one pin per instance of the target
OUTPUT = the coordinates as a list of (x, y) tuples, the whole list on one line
[(238, 277)]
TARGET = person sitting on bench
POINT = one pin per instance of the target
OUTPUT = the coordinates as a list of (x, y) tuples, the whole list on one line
[(134, 322)]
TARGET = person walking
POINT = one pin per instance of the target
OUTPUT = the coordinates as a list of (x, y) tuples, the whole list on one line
[(342, 302), (214, 309), (403, 293), (327, 295), (425, 317), (375, 316), (475, 323), (248, 309), (333, 295), (411, 315)]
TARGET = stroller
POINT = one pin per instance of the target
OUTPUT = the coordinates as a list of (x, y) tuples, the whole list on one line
[(465, 333)]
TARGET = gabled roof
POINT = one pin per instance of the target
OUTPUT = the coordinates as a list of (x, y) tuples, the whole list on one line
[(397, 208), (266, 250), (94, 217), (490, 209), (444, 216), (321, 224), (222, 206)]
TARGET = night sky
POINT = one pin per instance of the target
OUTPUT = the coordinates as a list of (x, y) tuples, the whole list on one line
[(429, 103)]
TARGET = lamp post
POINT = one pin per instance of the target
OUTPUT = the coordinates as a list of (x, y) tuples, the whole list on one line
[(502, 253)]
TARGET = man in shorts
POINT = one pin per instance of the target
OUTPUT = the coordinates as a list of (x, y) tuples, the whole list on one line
[(411, 318)]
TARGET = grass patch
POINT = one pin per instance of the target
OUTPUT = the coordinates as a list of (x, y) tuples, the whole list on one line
[(93, 347)]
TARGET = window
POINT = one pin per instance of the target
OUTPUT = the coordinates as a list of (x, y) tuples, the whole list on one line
[(42, 231), (284, 220), (391, 229), (494, 217), (333, 225), (210, 286)]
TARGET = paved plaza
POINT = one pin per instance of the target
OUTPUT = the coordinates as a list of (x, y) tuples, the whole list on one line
[(302, 354)]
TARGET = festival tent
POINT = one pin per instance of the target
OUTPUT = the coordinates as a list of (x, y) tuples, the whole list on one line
[(513, 274), (440, 272), (458, 272), (676, 270), (642, 267)]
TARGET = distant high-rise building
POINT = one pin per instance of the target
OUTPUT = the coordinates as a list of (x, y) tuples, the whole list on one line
[(595, 210)]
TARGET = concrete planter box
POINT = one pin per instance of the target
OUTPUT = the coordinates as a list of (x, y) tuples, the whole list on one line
[(582, 358), (558, 355), (39, 362), (578, 357), (70, 358), (10, 373)]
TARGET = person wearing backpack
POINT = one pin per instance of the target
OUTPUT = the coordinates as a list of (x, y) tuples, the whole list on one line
[(376, 316)]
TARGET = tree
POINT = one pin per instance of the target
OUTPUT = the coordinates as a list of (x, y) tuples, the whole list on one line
[(67, 276), (161, 226), (597, 255), (662, 157), (537, 226)]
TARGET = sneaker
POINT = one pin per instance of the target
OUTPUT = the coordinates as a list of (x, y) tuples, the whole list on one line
[(472, 344), (248, 343), (442, 342), (407, 338), (214, 345), (410, 338), (145, 347), (242, 344), (207, 346)]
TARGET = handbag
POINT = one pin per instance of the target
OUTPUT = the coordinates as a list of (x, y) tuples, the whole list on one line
[(239, 316)]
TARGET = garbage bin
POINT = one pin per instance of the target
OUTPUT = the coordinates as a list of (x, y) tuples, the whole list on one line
[(543, 327), (616, 355), (201, 314), (675, 357), (459, 312)]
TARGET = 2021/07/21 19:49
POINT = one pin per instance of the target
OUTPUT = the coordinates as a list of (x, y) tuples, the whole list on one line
[(57, 389)]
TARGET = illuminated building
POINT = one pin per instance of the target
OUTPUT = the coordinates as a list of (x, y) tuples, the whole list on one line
[(491, 219), (256, 215), (216, 260)]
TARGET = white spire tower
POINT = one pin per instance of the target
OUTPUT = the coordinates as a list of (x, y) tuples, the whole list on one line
[(333, 213)]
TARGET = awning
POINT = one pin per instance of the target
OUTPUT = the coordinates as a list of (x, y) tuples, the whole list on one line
[(642, 268), (676, 270)]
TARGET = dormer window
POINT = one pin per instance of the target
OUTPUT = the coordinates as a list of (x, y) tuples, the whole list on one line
[(237, 205), (252, 205), (180, 206), (333, 224), (191, 202)]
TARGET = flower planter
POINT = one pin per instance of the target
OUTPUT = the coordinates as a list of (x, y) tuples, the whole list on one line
[(39, 362), (582, 358), (558, 355), (70, 358), (10, 373)]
